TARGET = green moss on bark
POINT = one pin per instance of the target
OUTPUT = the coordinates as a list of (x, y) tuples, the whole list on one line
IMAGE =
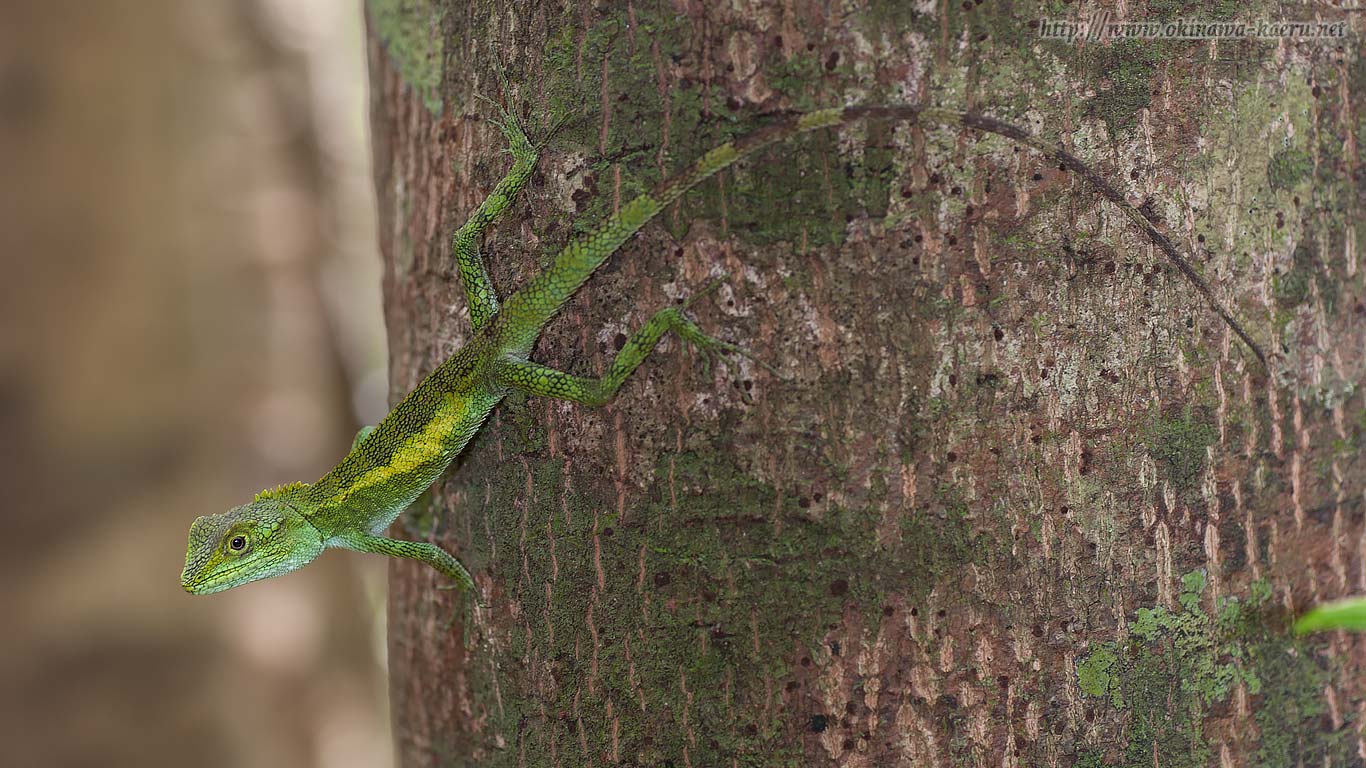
[(410, 31), (1173, 668), (1179, 443)]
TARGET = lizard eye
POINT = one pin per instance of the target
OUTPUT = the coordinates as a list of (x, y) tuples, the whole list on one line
[(238, 543)]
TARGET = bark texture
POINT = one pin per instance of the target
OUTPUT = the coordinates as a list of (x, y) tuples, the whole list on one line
[(1024, 501)]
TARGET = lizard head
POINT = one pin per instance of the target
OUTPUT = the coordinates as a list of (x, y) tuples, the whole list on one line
[(265, 538)]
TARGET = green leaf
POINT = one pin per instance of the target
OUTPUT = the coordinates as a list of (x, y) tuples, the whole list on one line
[(1340, 614)]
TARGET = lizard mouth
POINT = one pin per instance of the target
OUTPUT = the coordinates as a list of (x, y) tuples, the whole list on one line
[(206, 585), (204, 589), (194, 586)]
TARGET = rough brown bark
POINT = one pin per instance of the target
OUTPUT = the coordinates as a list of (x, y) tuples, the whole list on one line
[(1024, 501)]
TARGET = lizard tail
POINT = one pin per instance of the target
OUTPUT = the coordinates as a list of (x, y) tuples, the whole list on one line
[(527, 310)]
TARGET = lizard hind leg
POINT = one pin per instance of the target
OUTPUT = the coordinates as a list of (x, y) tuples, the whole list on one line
[(479, 291), (535, 379)]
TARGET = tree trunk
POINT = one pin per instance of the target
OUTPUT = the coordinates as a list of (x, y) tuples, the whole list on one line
[(1024, 498)]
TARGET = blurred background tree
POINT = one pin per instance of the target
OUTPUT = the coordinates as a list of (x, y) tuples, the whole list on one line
[(190, 313)]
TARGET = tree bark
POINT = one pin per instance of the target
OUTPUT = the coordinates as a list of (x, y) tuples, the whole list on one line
[(1024, 499)]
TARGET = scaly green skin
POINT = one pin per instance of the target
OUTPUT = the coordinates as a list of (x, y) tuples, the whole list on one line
[(391, 464)]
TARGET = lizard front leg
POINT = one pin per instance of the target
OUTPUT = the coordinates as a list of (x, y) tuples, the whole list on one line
[(361, 434), (430, 554)]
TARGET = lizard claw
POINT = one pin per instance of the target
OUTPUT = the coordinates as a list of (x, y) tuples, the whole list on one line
[(511, 128)]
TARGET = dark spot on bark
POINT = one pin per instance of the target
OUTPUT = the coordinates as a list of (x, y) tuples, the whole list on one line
[(835, 648), (832, 61), (1003, 681), (619, 341), (1037, 176), (997, 333), (951, 456), (607, 531), (806, 661), (941, 613), (935, 178), (839, 587), (803, 502), (817, 723), (847, 744), (777, 41), (953, 379), (1233, 544), (1064, 510), (915, 611), (953, 240)]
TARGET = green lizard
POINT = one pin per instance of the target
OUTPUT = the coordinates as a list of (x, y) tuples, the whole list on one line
[(390, 464)]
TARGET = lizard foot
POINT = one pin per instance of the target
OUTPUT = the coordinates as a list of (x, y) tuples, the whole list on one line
[(711, 347)]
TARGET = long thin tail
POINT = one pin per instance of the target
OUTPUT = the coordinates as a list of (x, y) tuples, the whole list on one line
[(533, 305)]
